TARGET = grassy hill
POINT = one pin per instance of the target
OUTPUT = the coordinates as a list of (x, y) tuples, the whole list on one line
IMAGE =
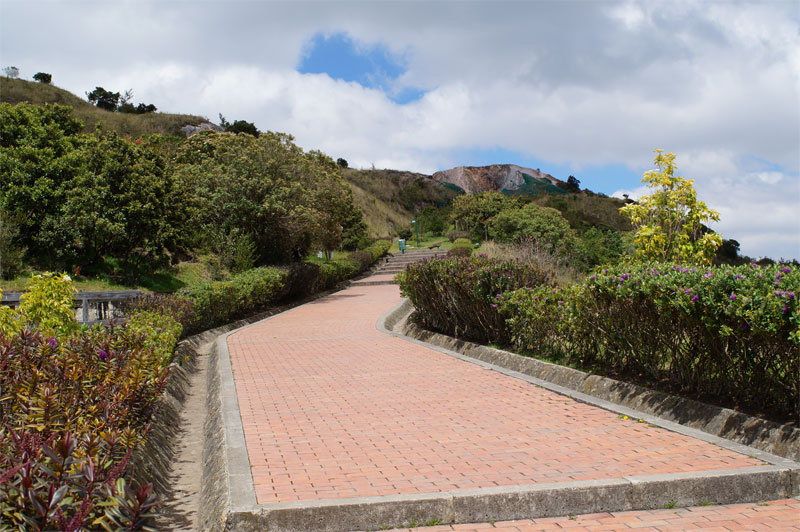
[(17, 90), (390, 198)]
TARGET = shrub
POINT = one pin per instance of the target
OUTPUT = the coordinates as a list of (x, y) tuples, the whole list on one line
[(728, 331), (462, 247), (460, 296), (543, 224), (43, 77), (459, 251), (73, 409), (219, 302), (454, 235)]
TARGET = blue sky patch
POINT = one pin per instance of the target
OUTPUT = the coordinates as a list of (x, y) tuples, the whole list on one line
[(373, 66)]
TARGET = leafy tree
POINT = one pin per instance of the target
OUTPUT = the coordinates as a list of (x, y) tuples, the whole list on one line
[(288, 201), (95, 197), (474, 212), (104, 99), (11, 72), (241, 126), (433, 219), (43, 77), (670, 222), (596, 246), (137, 110), (573, 184), (341, 162), (543, 224)]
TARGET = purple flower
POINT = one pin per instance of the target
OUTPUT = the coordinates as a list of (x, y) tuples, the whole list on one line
[(687, 291), (778, 293), (778, 282), (786, 269), (102, 354), (785, 309), (733, 296), (494, 305), (791, 295), (52, 342), (605, 271), (592, 277), (744, 326), (695, 298)]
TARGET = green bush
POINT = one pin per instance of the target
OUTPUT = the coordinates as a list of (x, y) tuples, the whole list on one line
[(460, 296), (219, 302), (214, 303), (733, 332), (543, 224)]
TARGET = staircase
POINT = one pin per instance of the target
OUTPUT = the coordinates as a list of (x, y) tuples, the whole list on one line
[(394, 264)]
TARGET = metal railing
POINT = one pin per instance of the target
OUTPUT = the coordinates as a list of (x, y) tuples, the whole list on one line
[(90, 307)]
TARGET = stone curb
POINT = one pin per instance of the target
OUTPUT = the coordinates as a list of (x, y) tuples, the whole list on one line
[(229, 502), (774, 438)]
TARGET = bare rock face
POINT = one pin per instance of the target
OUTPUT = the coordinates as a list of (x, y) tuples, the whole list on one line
[(205, 126), (495, 177)]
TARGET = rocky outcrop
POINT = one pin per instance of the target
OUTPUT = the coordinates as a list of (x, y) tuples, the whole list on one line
[(205, 126), (496, 177)]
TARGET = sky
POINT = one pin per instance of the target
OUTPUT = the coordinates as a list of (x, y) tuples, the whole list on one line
[(583, 88)]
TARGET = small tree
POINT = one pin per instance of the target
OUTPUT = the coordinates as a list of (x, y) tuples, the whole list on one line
[(104, 99), (242, 126), (573, 184), (43, 77), (11, 72), (669, 222), (342, 162)]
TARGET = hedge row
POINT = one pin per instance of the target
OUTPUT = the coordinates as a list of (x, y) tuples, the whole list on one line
[(733, 332), (460, 296), (208, 305), (75, 403)]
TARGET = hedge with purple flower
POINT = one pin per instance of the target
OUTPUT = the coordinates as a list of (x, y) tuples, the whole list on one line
[(733, 332)]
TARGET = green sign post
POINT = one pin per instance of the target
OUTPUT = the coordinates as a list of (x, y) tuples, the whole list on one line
[(416, 226)]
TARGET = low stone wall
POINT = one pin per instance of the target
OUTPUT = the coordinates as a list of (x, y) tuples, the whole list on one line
[(780, 440)]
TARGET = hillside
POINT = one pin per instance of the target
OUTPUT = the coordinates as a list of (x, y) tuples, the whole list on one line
[(506, 178), (389, 198), (18, 90)]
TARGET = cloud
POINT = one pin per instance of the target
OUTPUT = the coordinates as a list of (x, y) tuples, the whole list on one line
[(580, 86)]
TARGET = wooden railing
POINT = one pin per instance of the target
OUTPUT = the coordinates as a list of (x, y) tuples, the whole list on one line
[(90, 307)]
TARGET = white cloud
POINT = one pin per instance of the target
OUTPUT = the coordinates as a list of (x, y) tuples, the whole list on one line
[(579, 84)]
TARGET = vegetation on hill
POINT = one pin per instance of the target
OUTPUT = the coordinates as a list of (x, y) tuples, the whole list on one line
[(107, 204), (15, 91)]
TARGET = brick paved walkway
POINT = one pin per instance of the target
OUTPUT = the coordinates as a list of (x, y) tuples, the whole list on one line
[(773, 516), (332, 408)]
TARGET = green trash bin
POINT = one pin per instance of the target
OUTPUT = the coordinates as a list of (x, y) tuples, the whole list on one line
[(402, 244)]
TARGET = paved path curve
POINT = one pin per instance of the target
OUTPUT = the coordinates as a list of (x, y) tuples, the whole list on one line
[(332, 408)]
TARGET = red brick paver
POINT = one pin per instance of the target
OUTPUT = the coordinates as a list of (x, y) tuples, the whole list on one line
[(333, 408), (773, 516)]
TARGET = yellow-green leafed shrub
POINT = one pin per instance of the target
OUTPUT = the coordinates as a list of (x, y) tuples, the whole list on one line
[(48, 305)]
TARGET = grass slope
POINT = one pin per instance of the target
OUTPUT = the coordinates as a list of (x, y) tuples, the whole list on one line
[(18, 90)]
